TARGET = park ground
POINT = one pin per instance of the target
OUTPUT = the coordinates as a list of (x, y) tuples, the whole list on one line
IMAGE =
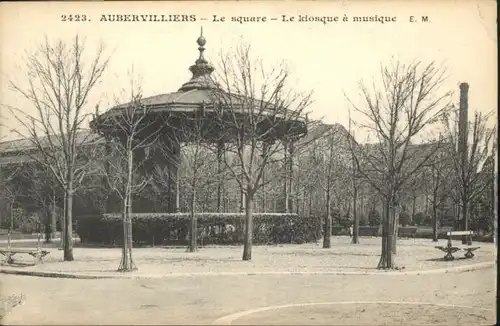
[(289, 284)]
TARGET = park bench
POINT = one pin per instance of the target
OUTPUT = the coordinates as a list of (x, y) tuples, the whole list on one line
[(449, 249), (36, 253)]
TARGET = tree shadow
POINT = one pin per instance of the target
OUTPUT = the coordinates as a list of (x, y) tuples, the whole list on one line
[(328, 253), (17, 264), (195, 259), (441, 259), (350, 268)]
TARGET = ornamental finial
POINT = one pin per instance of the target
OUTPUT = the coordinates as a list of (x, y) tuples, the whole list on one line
[(201, 42), (201, 69)]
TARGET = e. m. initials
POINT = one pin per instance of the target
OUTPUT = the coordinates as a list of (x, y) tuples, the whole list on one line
[(423, 19)]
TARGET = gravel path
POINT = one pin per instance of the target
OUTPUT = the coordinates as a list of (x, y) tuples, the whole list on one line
[(203, 300)]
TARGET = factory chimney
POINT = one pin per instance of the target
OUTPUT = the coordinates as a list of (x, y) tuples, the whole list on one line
[(462, 141)]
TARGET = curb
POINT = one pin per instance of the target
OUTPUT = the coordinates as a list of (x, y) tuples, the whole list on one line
[(56, 274), (457, 269)]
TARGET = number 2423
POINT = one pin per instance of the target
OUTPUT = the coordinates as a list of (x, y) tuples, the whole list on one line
[(76, 18)]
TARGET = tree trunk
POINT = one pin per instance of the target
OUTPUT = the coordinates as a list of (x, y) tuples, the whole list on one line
[(309, 206), (355, 230), (248, 237), (53, 217), (127, 263), (63, 221), (194, 223), (327, 236), (130, 242), (68, 225), (395, 229), (434, 220), (386, 257), (465, 219), (124, 263), (48, 225), (264, 197), (11, 213), (414, 199)]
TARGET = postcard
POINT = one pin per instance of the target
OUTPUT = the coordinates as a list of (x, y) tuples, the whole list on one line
[(261, 163)]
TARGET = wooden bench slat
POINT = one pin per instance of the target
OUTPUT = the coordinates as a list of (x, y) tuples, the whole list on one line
[(19, 251), (452, 233)]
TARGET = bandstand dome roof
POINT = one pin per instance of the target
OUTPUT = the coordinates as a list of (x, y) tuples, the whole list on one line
[(198, 90), (201, 93)]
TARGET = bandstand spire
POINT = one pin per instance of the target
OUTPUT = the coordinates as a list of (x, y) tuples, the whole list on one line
[(201, 69)]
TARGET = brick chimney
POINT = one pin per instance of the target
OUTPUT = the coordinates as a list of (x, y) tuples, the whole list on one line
[(462, 142)]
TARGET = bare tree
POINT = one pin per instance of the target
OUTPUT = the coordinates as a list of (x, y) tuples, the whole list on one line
[(10, 191), (305, 180), (306, 164), (333, 172), (438, 184), (255, 108), (408, 100), (40, 190), (128, 129), (468, 159), (356, 184), (59, 83), (197, 160)]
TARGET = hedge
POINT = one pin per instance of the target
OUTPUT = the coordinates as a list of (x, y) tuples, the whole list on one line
[(370, 231), (213, 228)]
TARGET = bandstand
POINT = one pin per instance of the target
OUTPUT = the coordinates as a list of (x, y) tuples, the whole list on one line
[(198, 102)]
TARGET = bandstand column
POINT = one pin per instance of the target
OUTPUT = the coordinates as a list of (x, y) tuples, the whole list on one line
[(139, 165), (285, 184), (242, 193), (112, 205), (220, 186), (174, 177), (291, 149), (265, 149), (171, 161)]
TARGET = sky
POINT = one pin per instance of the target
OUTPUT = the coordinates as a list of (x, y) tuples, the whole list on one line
[(328, 58)]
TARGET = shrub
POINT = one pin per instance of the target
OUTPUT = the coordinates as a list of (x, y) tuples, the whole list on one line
[(374, 218), (407, 231), (213, 228), (30, 224), (362, 221), (336, 216), (370, 231), (483, 223), (404, 218), (18, 216), (419, 218)]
